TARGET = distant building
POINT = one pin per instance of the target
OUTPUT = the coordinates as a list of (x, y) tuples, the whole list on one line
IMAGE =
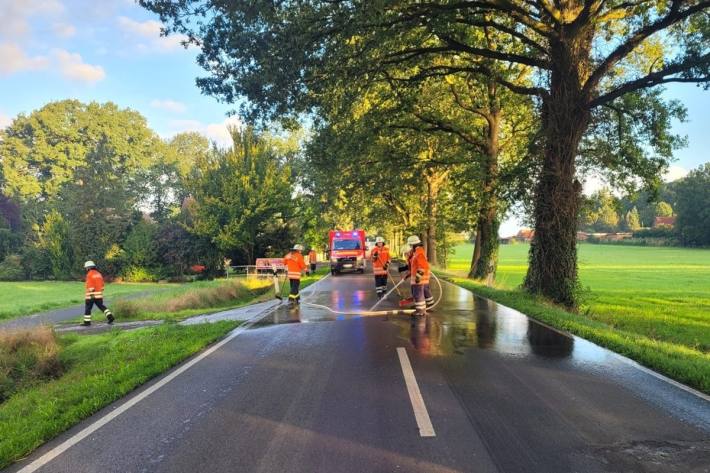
[(664, 222), (525, 234)]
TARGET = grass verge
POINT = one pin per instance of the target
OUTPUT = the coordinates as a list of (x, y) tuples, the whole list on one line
[(22, 298), (201, 298), (99, 369), (683, 363)]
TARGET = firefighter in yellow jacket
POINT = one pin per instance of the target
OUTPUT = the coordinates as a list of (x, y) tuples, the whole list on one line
[(420, 272), (94, 293), (295, 265), (380, 256)]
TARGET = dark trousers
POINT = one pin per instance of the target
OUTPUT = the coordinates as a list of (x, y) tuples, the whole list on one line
[(294, 295), (422, 297), (90, 304), (313, 267), (381, 284)]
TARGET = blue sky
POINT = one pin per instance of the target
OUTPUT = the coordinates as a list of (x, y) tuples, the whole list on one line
[(111, 50)]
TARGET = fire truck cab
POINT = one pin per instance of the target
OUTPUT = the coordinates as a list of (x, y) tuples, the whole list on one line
[(347, 250)]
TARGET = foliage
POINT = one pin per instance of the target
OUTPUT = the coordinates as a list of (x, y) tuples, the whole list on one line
[(36, 263), (656, 232), (632, 220), (664, 209), (54, 240), (132, 273), (693, 207), (140, 245), (240, 192), (11, 268)]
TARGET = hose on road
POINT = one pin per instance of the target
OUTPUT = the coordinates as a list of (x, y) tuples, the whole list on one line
[(372, 312)]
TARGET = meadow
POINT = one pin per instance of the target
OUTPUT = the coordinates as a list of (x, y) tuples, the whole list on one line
[(29, 297), (634, 299)]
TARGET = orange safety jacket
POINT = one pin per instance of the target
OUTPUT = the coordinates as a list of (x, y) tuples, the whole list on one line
[(294, 264), (418, 264), (94, 285), (380, 257), (312, 257)]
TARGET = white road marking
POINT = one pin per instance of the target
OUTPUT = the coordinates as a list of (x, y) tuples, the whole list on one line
[(67, 444), (415, 396)]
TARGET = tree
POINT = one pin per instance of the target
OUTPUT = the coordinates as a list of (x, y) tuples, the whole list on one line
[(585, 54), (54, 239), (240, 191), (664, 209), (632, 221), (693, 207)]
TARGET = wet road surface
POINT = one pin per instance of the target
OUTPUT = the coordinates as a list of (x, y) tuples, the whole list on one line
[(307, 391)]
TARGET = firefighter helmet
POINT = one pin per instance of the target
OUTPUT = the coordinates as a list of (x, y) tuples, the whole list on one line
[(413, 240), (298, 247), (89, 264), (379, 240)]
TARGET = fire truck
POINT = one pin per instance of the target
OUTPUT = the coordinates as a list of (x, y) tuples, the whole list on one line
[(347, 250)]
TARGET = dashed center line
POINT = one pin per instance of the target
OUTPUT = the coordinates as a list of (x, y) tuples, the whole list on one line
[(415, 396)]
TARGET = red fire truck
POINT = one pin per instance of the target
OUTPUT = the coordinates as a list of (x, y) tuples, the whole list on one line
[(347, 250)]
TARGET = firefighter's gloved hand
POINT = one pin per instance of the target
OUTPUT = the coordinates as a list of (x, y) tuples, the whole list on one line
[(385, 266), (402, 268), (419, 275)]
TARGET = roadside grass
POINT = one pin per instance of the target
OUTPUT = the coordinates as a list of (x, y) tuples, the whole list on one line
[(650, 304), (27, 357), (99, 369), (180, 303), (28, 297)]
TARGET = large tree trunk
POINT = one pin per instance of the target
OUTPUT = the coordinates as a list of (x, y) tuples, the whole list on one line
[(553, 252), (485, 251)]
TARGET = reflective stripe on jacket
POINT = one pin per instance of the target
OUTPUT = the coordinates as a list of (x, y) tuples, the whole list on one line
[(419, 263), (380, 257), (94, 285), (294, 264)]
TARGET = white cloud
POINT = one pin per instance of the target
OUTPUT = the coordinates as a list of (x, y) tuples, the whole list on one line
[(674, 173), (73, 67), (216, 132), (13, 59), (169, 105), (64, 30), (150, 29), (15, 14)]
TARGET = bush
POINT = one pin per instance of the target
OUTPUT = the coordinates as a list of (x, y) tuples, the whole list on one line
[(656, 232), (37, 263), (11, 269), (139, 274), (27, 356)]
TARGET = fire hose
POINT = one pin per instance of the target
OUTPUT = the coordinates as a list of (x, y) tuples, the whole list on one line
[(372, 312)]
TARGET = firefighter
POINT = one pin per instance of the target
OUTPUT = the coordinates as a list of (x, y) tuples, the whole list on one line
[(295, 265), (380, 256), (312, 259), (419, 273), (94, 293)]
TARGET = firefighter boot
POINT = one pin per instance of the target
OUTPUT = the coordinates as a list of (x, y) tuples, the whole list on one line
[(109, 317)]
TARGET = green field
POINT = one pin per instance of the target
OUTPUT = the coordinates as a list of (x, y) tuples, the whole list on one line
[(658, 298), (28, 297)]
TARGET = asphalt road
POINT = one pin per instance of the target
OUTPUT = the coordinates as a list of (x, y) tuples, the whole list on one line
[(309, 391)]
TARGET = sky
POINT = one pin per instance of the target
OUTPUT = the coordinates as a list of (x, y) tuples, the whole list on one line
[(111, 50)]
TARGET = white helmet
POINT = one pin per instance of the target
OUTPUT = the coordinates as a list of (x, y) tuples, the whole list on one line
[(379, 240), (413, 240), (298, 247), (89, 264)]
